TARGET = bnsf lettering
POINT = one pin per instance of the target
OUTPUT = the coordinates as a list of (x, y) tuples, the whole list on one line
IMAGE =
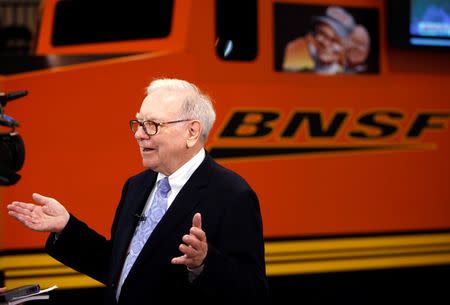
[(245, 124), (376, 124), (372, 120), (314, 121), (423, 121)]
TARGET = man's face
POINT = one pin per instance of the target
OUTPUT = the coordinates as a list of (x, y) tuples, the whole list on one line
[(328, 44), (165, 151), (358, 47)]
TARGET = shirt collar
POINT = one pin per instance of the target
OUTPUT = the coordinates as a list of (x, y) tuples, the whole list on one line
[(182, 175)]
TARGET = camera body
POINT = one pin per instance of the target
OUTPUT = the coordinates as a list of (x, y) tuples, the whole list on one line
[(12, 148)]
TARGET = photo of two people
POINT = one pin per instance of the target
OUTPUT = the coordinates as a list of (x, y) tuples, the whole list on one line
[(326, 40)]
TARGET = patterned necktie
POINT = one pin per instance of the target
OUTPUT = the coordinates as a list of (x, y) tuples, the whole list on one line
[(146, 227)]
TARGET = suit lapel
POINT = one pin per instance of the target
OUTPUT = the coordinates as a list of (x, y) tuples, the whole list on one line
[(187, 199), (134, 205)]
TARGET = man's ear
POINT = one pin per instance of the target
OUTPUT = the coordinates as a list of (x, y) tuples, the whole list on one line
[(194, 132)]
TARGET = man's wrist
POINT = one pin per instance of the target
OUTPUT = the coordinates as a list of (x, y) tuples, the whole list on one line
[(63, 225), (196, 270)]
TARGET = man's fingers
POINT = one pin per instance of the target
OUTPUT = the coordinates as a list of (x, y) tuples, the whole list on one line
[(187, 251), (194, 247), (19, 206), (195, 243), (192, 241), (196, 228), (27, 221), (25, 214), (199, 233), (180, 260), (21, 217), (41, 199), (197, 220), (20, 213)]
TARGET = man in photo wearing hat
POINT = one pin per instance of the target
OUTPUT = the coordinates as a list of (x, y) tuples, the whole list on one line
[(321, 51)]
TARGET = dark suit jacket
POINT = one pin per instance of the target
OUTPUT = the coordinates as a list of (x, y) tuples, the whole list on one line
[(234, 269)]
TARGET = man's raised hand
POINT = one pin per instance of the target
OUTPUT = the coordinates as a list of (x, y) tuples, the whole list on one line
[(48, 215), (195, 246)]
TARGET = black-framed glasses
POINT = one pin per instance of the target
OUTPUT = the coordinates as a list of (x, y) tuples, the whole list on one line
[(151, 128)]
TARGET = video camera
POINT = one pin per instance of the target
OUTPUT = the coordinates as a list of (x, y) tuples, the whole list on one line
[(12, 148)]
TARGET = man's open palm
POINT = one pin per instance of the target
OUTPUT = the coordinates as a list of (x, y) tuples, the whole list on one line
[(48, 215)]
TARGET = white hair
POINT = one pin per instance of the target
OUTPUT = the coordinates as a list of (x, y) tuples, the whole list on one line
[(196, 105)]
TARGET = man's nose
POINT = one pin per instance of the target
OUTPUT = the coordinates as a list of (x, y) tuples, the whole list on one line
[(140, 134)]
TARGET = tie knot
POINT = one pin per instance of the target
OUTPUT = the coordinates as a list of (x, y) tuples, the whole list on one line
[(164, 186)]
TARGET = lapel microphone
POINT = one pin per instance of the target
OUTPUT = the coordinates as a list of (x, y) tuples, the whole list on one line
[(141, 217)]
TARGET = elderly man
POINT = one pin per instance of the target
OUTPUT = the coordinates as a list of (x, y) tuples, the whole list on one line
[(321, 51), (186, 230), (357, 49)]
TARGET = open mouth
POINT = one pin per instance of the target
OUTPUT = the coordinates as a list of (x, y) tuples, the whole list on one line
[(146, 149)]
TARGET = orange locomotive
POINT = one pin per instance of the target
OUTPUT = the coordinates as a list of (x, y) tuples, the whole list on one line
[(352, 171)]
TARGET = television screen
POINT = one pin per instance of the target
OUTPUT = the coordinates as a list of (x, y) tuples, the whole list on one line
[(421, 23), (430, 22)]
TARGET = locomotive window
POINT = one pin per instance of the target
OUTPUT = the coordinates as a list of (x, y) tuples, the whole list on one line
[(79, 22), (236, 30)]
